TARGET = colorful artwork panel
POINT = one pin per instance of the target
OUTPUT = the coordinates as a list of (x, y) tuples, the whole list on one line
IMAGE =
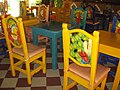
[(80, 48), (117, 27), (13, 32)]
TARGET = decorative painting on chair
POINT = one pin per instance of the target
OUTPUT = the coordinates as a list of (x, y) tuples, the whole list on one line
[(80, 48), (78, 18), (14, 34), (117, 27), (42, 13), (89, 13), (23, 8), (1, 7)]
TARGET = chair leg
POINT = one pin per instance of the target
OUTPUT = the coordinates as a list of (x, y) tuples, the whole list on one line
[(100, 59), (65, 82), (12, 65), (103, 83), (28, 72), (44, 61), (61, 44), (50, 45)]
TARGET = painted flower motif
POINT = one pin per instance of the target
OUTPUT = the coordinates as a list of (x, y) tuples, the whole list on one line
[(13, 31), (80, 48), (89, 13), (78, 16)]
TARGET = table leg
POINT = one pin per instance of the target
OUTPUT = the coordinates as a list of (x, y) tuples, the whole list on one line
[(117, 78), (54, 53), (35, 38), (60, 43), (50, 45)]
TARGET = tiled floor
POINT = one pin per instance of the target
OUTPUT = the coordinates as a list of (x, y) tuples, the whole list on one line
[(52, 80)]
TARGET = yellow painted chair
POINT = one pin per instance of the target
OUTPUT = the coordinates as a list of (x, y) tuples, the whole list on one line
[(80, 60), (43, 16), (26, 53)]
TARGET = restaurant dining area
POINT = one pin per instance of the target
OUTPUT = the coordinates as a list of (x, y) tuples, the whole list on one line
[(59, 44)]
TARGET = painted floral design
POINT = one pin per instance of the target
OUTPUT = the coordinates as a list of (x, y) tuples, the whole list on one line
[(89, 13), (78, 16), (42, 12), (13, 31), (80, 48), (117, 27)]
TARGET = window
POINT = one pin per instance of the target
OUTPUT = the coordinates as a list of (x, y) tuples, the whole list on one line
[(13, 7)]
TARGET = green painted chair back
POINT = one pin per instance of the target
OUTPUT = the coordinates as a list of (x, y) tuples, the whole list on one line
[(78, 18)]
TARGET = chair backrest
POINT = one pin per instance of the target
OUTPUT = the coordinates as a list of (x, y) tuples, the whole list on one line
[(43, 12), (23, 8), (53, 13), (78, 18), (115, 25), (90, 13), (82, 48), (14, 34)]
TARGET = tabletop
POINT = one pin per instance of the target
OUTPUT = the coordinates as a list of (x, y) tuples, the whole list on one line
[(29, 21), (109, 43), (52, 30), (51, 26)]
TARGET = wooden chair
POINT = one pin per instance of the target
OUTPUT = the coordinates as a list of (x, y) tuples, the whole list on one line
[(115, 25), (108, 58), (23, 9), (25, 53), (43, 13), (3, 47), (91, 23), (80, 60), (53, 13), (25, 15), (78, 18), (42, 16)]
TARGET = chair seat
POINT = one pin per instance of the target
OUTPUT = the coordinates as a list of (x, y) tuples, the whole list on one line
[(95, 23), (32, 50), (84, 72)]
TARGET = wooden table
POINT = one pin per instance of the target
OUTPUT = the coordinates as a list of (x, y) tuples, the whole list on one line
[(52, 30), (110, 44), (29, 21)]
